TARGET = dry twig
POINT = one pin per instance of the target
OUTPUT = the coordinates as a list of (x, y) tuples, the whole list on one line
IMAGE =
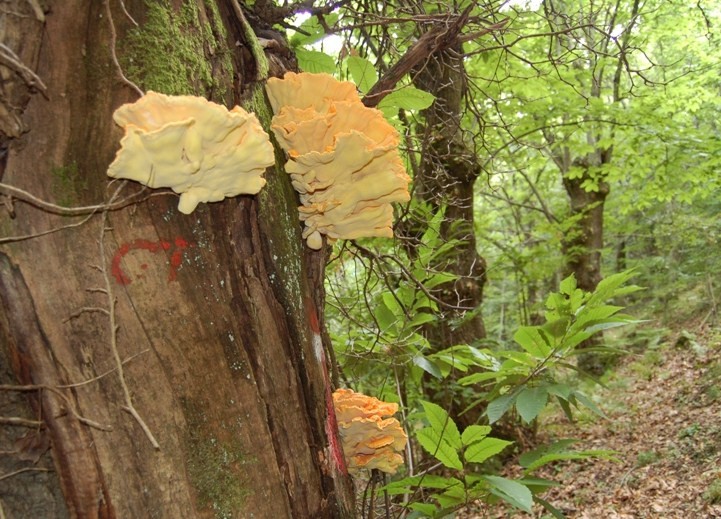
[(128, 407), (113, 40)]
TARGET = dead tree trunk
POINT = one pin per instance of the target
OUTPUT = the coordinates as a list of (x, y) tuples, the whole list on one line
[(165, 362)]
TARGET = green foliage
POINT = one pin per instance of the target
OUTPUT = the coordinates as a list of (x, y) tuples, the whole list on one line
[(463, 454), (713, 493), (405, 98), (646, 458), (311, 31), (315, 61), (393, 313), (363, 72), (557, 95), (527, 379)]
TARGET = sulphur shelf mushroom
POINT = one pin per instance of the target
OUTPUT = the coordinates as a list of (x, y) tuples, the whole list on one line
[(369, 440), (343, 157), (193, 146)]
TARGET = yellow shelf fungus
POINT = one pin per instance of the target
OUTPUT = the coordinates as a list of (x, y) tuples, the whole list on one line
[(369, 440), (193, 146), (344, 157)]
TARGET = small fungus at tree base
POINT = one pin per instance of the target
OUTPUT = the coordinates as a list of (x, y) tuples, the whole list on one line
[(197, 148), (369, 440), (343, 157)]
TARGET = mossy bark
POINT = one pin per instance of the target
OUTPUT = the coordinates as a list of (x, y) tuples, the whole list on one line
[(211, 308)]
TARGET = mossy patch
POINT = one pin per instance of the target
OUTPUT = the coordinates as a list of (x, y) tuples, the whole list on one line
[(67, 183), (179, 52), (217, 467)]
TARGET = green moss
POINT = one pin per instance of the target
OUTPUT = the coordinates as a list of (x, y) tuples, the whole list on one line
[(178, 52), (713, 493), (217, 467), (278, 204), (647, 458), (66, 183)]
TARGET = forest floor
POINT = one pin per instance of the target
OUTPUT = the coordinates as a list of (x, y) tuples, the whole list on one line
[(664, 423)]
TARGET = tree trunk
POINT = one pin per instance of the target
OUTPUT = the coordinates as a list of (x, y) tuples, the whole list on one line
[(137, 326), (447, 174), (445, 181), (583, 243)]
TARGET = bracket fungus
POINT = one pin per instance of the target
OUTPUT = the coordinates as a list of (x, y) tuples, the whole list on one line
[(193, 146), (369, 440), (343, 157)]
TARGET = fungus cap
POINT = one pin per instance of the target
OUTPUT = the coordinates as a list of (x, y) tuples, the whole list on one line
[(301, 131), (343, 161), (306, 90), (193, 146), (369, 440)]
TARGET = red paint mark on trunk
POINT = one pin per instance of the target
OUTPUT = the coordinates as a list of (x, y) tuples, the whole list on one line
[(312, 316), (331, 430), (335, 448), (178, 246)]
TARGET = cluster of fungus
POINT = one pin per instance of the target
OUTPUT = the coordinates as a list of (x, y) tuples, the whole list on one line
[(193, 146), (369, 440), (343, 157)]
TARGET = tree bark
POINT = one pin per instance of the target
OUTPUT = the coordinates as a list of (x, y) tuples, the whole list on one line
[(213, 316), (583, 244), (445, 182)]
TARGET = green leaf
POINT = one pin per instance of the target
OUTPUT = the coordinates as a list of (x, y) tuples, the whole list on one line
[(589, 403), (610, 286), (498, 407), (387, 320), (557, 328), (438, 279), (533, 340), (536, 485), (560, 390), (422, 510), (555, 512), (479, 377), (421, 318), (437, 447), (363, 72), (484, 449), (442, 424), (426, 481), (393, 305), (563, 402), (559, 456), (568, 285), (451, 498), (315, 31), (314, 61), (407, 98), (474, 433), (428, 366), (511, 492), (527, 458), (531, 401)]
